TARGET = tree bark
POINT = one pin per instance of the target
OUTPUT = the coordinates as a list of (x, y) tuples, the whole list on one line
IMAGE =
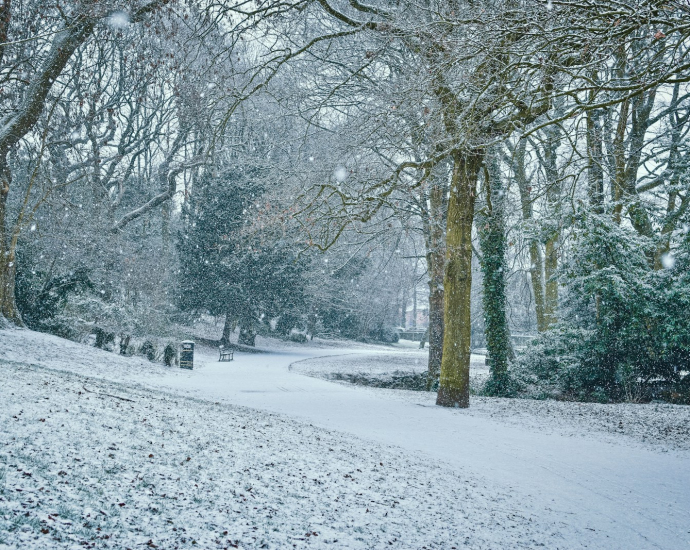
[(414, 300), (403, 308), (595, 169), (311, 323), (454, 386), (435, 258), (536, 273), (553, 198), (551, 282), (8, 264), (228, 327)]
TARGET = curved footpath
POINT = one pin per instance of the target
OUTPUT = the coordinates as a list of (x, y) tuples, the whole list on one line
[(607, 493)]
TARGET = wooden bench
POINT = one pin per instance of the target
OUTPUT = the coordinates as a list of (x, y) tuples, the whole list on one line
[(226, 354)]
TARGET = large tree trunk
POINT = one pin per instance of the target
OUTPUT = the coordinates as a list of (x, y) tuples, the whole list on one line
[(551, 283), (454, 387), (8, 263), (553, 197), (536, 273), (435, 258)]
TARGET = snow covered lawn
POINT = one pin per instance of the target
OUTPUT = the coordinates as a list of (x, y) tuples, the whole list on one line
[(107, 465)]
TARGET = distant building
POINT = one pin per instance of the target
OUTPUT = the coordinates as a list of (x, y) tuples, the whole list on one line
[(422, 318), (417, 310)]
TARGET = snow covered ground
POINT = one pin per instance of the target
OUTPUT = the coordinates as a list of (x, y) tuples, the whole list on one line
[(117, 444), (660, 425), (115, 466)]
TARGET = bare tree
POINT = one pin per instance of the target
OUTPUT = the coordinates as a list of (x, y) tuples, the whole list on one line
[(32, 80)]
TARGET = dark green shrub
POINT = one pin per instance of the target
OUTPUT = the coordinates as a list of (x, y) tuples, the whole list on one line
[(148, 350), (298, 337), (385, 333), (623, 327), (169, 355), (103, 338), (41, 298)]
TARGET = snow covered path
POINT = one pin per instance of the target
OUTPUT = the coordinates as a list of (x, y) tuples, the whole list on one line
[(612, 493), (594, 490)]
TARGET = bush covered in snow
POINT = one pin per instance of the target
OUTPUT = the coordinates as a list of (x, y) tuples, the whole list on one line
[(623, 334)]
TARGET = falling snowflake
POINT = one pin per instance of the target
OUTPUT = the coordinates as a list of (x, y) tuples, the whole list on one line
[(668, 261), (119, 20), (340, 174)]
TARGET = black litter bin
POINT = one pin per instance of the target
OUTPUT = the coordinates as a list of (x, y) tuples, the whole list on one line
[(187, 355)]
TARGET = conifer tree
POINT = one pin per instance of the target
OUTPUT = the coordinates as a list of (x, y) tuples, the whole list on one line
[(228, 269)]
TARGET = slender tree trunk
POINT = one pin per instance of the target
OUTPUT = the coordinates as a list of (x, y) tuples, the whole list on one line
[(228, 327), (435, 258), (414, 300), (536, 269), (124, 343), (595, 170), (595, 176), (311, 324), (8, 264), (551, 282), (403, 309), (165, 230), (619, 179), (454, 386)]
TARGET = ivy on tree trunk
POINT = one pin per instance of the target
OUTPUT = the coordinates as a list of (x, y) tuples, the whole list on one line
[(491, 228)]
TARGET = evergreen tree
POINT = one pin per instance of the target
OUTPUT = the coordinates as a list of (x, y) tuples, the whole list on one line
[(228, 269), (624, 333)]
